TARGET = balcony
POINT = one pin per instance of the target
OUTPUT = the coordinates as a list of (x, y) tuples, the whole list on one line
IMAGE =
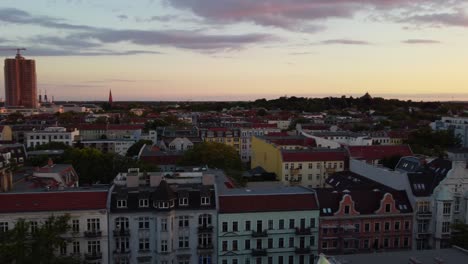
[(92, 233), (424, 215), (259, 252), (303, 231), (259, 233), (93, 256), (205, 229), (302, 250), (205, 249), (121, 233), (122, 252)]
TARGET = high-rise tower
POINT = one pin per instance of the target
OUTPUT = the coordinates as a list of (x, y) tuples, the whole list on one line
[(20, 82), (110, 97)]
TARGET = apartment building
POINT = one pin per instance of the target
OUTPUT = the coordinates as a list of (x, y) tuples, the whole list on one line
[(50, 134), (163, 219), (258, 129), (227, 136)]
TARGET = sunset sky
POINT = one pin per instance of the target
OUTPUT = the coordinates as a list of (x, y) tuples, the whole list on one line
[(241, 49)]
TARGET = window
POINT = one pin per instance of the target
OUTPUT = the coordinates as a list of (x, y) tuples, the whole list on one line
[(121, 203), (387, 226), (247, 225), (281, 242), (407, 225), (204, 240), (387, 208), (164, 246), (225, 245), (183, 242), (397, 225), (34, 226), (385, 242), (396, 242), (235, 226), (456, 207), (280, 260), (406, 242), (291, 242), (164, 224), (122, 244), (93, 224), (281, 224), (183, 221), (445, 227), (76, 247), (376, 227), (270, 224), (143, 203), (357, 228), (121, 223), (163, 205), (143, 222), (346, 209), (312, 241), (183, 201), (205, 200), (312, 223), (270, 242), (225, 227), (366, 243), (366, 227), (234, 245), (311, 165), (143, 244), (63, 249), (94, 247), (247, 244), (291, 223), (204, 220), (447, 207), (291, 260)]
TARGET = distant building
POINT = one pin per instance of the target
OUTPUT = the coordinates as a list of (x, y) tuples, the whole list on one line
[(459, 126), (227, 136), (6, 134), (50, 134), (258, 129), (20, 82), (118, 146)]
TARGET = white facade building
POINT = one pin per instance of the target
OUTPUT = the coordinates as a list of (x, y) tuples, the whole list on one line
[(50, 134)]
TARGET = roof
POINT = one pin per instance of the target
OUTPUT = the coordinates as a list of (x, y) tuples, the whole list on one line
[(53, 201), (313, 155), (377, 152), (424, 181), (163, 192), (267, 203), (366, 201)]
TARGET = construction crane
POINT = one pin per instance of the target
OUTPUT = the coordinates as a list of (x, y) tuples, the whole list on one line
[(18, 53)]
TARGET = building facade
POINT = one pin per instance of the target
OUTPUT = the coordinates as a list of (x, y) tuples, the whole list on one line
[(20, 82), (50, 134), (156, 219)]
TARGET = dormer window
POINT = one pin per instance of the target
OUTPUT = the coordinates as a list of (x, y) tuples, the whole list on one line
[(121, 203), (143, 203), (205, 200), (183, 201), (163, 205)]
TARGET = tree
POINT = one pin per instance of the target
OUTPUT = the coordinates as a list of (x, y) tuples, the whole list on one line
[(135, 148), (52, 146), (24, 245), (460, 235), (432, 143), (213, 154)]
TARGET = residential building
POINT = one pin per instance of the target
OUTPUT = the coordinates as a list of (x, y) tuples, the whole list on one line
[(165, 160), (376, 153), (6, 133), (459, 126), (20, 82), (267, 225), (110, 131), (227, 136), (50, 134), (118, 146), (258, 129), (163, 219)]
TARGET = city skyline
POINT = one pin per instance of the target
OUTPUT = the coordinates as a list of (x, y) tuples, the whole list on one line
[(241, 50)]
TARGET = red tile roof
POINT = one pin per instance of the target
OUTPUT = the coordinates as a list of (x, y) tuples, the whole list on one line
[(264, 125), (110, 127), (378, 152), (52, 201), (267, 203), (306, 142), (295, 156)]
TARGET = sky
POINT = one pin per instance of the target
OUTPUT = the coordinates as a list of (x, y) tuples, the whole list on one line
[(158, 50)]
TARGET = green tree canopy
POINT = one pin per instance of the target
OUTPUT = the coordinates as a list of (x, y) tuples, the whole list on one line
[(213, 154), (432, 143), (22, 244)]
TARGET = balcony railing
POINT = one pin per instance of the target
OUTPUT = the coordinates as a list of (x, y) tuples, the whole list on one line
[(259, 252), (262, 233), (424, 214), (122, 251), (93, 256), (205, 229), (302, 250), (206, 246), (92, 233), (121, 232), (303, 231)]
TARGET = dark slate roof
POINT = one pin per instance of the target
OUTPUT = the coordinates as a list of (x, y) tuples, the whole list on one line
[(347, 180), (193, 192), (377, 152), (424, 181), (409, 164), (163, 192), (366, 201)]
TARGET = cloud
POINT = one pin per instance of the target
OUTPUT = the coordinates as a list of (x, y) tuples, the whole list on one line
[(301, 53), (122, 17), (421, 41), (294, 14), (43, 51), (458, 18), (345, 42), (87, 37)]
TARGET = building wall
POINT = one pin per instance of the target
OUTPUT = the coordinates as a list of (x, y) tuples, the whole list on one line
[(80, 235), (311, 174), (20, 82), (7, 134), (296, 251), (266, 156), (39, 138)]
